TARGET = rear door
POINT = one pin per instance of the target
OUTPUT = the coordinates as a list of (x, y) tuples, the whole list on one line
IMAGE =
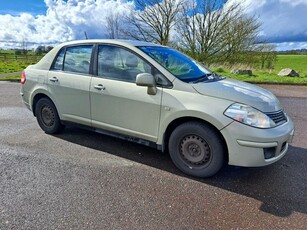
[(117, 103), (69, 81)]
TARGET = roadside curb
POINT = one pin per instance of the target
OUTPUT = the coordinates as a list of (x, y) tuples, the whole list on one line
[(11, 80), (276, 83)]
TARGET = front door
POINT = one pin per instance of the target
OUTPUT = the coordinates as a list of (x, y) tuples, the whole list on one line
[(117, 103)]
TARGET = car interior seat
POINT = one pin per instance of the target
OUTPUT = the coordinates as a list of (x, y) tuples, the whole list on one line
[(132, 69)]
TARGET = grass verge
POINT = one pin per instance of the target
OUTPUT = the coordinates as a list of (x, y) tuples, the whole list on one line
[(263, 77), (11, 78)]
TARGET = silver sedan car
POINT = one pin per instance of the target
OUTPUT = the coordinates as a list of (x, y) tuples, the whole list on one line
[(157, 96)]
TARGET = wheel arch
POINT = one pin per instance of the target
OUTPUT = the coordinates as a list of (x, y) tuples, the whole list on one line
[(178, 121), (36, 98)]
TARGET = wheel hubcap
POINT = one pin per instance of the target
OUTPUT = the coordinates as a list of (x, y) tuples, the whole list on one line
[(195, 150), (47, 116)]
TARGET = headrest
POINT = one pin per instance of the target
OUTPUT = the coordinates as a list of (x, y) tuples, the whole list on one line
[(132, 61)]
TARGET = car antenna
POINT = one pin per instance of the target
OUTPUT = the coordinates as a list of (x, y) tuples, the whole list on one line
[(85, 34)]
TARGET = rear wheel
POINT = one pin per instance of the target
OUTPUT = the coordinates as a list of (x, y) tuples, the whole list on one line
[(197, 149), (47, 116)]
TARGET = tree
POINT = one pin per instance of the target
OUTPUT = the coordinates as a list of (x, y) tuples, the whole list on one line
[(267, 55), (241, 39), (39, 50), (214, 30), (18, 52), (48, 48), (113, 24), (24, 47), (153, 20)]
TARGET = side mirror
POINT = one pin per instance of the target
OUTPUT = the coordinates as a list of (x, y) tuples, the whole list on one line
[(146, 79)]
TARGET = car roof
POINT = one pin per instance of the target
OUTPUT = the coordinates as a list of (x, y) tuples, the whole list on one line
[(110, 41), (47, 60)]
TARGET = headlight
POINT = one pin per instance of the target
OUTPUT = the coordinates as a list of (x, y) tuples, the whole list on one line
[(249, 116)]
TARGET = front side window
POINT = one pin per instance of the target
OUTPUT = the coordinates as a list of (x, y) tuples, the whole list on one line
[(178, 64), (120, 64), (74, 59)]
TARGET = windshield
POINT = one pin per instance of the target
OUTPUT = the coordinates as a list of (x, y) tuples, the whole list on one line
[(180, 65)]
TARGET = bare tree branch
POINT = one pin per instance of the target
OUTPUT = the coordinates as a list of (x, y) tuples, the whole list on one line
[(113, 24), (154, 20), (213, 29)]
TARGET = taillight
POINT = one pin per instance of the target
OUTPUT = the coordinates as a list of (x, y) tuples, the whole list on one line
[(23, 77)]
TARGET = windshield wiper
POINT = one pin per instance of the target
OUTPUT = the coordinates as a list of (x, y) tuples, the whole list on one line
[(209, 77), (202, 78)]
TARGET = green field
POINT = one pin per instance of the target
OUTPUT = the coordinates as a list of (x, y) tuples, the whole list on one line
[(13, 66), (9, 64), (296, 62)]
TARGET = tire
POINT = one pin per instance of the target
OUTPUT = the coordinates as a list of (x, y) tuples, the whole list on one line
[(47, 116), (197, 149)]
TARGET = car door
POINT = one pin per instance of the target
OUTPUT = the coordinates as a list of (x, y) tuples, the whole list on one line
[(69, 82), (117, 103)]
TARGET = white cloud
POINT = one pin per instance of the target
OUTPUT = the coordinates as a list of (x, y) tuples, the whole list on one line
[(295, 2), (248, 5), (291, 46), (282, 20), (86, 15), (63, 21)]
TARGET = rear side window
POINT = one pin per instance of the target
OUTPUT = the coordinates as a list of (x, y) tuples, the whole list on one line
[(58, 64), (74, 59)]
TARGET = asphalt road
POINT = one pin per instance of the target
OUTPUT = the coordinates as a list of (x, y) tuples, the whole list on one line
[(85, 180)]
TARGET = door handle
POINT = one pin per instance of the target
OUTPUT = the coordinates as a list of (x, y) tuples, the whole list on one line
[(53, 79), (99, 87)]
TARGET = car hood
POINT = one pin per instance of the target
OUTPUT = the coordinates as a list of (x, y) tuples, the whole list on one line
[(241, 92)]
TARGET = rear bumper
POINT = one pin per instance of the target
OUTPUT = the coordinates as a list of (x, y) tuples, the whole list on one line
[(252, 147), (23, 96)]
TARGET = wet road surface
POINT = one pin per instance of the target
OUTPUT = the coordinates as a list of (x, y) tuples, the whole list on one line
[(84, 180)]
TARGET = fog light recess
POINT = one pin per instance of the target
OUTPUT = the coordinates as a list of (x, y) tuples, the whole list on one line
[(269, 152)]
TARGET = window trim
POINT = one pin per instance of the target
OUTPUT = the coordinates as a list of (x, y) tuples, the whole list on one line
[(90, 73), (56, 58)]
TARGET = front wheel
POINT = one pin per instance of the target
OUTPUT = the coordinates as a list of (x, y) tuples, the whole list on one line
[(197, 149), (47, 116)]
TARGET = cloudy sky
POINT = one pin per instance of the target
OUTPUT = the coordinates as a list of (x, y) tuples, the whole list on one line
[(54, 21)]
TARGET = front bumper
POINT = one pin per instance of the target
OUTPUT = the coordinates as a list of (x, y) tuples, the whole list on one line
[(253, 147)]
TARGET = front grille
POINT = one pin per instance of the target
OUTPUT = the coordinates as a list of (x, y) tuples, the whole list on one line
[(278, 117)]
